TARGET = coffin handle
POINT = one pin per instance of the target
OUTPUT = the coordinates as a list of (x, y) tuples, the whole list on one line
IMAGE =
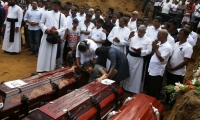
[(55, 87)]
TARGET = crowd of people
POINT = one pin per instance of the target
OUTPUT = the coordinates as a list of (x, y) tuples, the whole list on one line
[(130, 50)]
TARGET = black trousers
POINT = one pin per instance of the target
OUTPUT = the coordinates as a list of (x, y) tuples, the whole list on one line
[(144, 5), (154, 86), (156, 11), (172, 79)]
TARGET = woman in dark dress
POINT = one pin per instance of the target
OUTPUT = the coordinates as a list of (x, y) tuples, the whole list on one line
[(118, 61)]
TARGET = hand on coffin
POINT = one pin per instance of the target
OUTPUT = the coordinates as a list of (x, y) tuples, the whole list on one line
[(72, 69)]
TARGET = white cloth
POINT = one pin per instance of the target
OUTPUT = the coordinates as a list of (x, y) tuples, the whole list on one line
[(70, 21), (194, 35), (89, 54), (47, 52), (33, 16), (135, 83), (195, 13), (93, 16), (29, 7), (166, 7), (42, 10), (191, 41), (13, 12), (80, 17), (132, 25), (180, 52), (98, 34), (156, 67), (171, 40), (83, 27), (174, 8), (152, 32), (122, 34)]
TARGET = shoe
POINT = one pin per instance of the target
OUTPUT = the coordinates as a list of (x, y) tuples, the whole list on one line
[(31, 54), (167, 107), (6, 52), (13, 53)]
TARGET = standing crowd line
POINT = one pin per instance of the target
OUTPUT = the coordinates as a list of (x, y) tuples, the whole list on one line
[(118, 46)]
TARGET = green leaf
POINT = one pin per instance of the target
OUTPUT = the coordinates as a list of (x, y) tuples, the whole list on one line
[(169, 88)]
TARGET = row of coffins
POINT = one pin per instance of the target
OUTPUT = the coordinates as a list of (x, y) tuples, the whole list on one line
[(21, 96), (93, 101)]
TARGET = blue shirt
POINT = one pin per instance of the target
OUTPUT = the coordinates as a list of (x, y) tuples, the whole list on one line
[(33, 16), (2, 15)]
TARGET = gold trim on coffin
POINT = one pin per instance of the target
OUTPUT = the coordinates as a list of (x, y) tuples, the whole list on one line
[(46, 89)]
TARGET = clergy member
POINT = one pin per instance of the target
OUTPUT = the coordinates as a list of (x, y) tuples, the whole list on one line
[(140, 46), (119, 36), (50, 25), (12, 37)]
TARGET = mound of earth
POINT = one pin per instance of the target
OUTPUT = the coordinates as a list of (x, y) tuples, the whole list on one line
[(187, 107)]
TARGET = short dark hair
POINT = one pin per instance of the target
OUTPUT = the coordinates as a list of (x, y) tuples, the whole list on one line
[(184, 22), (125, 20), (111, 9), (102, 51), (167, 25), (75, 21), (146, 17), (88, 64), (57, 2), (114, 14), (127, 15), (76, 6), (100, 21), (140, 19), (82, 6), (88, 15), (158, 18), (98, 9), (83, 46), (185, 31), (174, 22), (121, 14), (65, 8), (68, 3), (191, 26)]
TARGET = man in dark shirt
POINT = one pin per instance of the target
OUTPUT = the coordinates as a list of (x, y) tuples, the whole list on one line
[(107, 26), (173, 29), (97, 16), (2, 18)]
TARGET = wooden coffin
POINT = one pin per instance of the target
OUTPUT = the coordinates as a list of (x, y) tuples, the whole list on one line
[(43, 87), (140, 108), (92, 101)]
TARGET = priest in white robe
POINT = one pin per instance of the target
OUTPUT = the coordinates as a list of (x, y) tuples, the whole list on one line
[(119, 36), (140, 46), (50, 25), (12, 37)]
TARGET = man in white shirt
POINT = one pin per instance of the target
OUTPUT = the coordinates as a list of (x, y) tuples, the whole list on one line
[(176, 67), (12, 37), (132, 23), (32, 17), (192, 34), (81, 15), (170, 39), (119, 36), (152, 31), (165, 10), (30, 4), (97, 34), (162, 51), (72, 17), (49, 24), (140, 46), (41, 6)]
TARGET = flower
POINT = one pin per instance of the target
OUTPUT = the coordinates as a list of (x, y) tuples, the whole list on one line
[(190, 87), (189, 82), (179, 84), (176, 88)]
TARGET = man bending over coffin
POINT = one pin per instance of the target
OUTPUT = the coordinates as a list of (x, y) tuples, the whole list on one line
[(12, 37)]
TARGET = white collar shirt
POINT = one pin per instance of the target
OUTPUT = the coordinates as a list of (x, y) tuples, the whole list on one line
[(191, 41), (33, 16), (80, 17), (132, 25), (156, 67), (194, 35), (152, 32), (180, 52), (98, 34)]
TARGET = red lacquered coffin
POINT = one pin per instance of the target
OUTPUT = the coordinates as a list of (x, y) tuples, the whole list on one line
[(90, 102), (140, 108), (43, 87)]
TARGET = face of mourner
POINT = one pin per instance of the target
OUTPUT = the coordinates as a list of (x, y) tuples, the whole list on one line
[(181, 35), (88, 69), (56, 7), (160, 36), (141, 33)]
